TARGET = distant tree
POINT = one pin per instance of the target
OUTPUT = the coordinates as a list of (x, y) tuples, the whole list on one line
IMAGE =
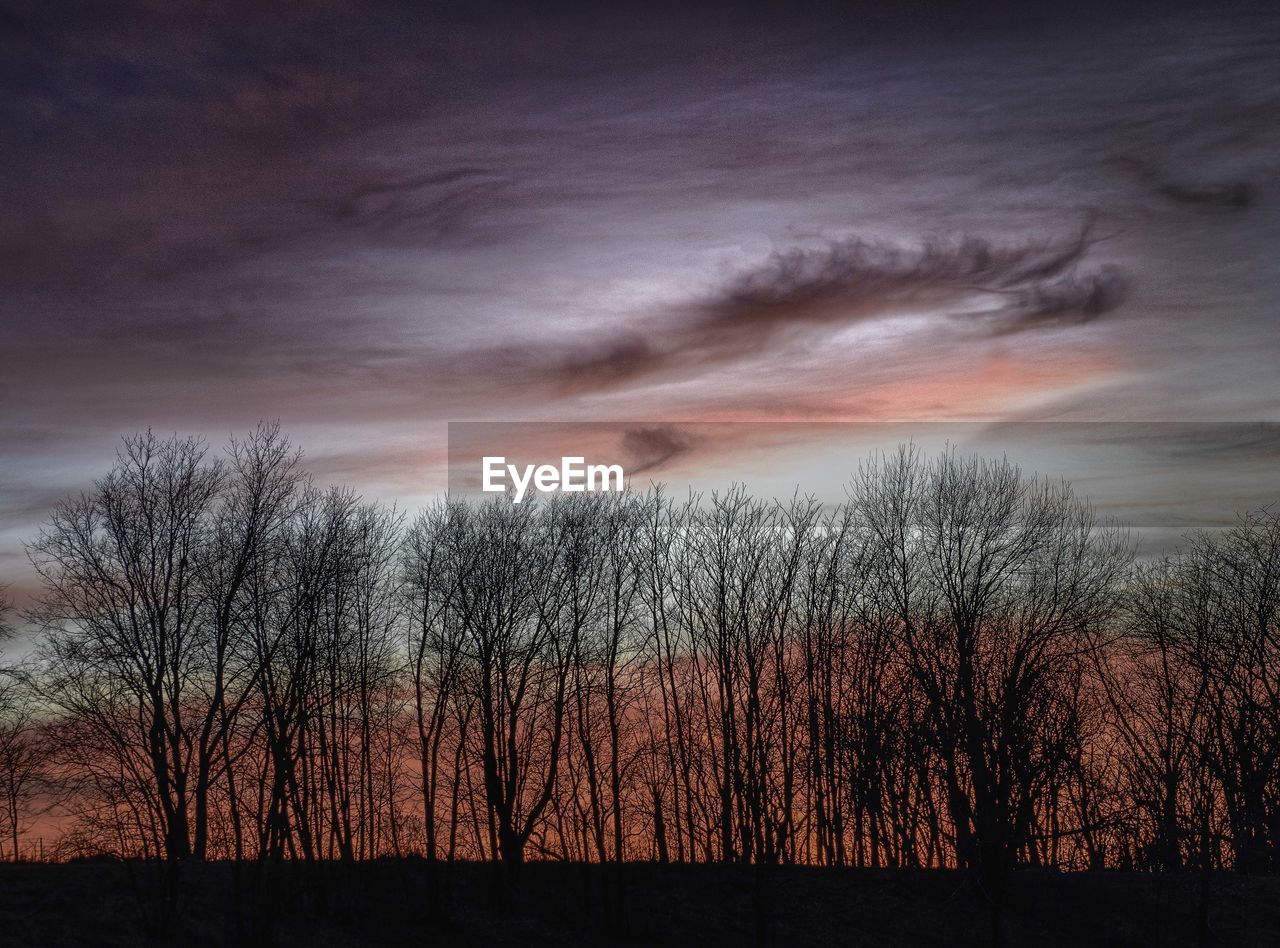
[(256, 498), (24, 753), (1002, 585), (120, 618), (433, 549), (957, 666), (1194, 684), (1242, 666), (521, 605), (1158, 684), (26, 781)]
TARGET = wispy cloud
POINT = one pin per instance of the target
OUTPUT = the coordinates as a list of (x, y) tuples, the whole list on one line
[(968, 285)]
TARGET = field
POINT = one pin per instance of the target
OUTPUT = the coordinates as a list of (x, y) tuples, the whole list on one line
[(391, 903)]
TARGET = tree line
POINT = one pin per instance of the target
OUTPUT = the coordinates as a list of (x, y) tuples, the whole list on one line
[(958, 665)]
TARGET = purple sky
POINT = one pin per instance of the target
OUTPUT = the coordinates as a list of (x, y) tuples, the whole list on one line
[(367, 220)]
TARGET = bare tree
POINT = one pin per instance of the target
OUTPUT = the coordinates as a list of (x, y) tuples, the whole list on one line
[(1241, 664), (1002, 584), (120, 617), (1159, 689), (26, 780), (958, 666), (25, 777), (253, 507), (519, 605)]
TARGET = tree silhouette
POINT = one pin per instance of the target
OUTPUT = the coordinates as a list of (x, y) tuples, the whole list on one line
[(960, 665)]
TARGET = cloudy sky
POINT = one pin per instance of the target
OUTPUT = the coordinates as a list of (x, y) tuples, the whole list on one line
[(368, 220)]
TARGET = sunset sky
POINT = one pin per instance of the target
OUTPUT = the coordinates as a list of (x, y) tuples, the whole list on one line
[(368, 220)]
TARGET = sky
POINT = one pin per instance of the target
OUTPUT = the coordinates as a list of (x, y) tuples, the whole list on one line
[(368, 220)]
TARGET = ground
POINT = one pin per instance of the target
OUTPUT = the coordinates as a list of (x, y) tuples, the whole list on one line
[(390, 903)]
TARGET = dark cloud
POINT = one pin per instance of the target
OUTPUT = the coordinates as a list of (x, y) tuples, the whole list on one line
[(1071, 300), (650, 447), (1233, 194), (1227, 442), (977, 286), (1199, 187), (1174, 444), (856, 280), (430, 205), (152, 144)]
